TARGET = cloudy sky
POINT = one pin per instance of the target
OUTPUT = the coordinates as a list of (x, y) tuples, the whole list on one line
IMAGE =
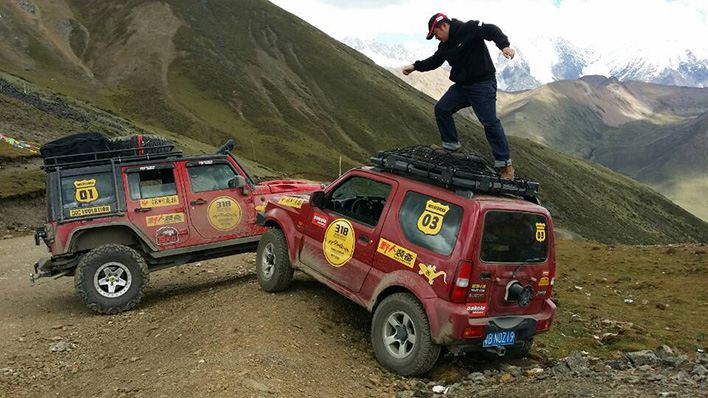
[(658, 26)]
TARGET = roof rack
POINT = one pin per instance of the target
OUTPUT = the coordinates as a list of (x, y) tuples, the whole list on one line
[(459, 170), (113, 156)]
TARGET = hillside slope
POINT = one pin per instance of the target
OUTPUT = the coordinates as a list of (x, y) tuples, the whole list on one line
[(292, 96), (655, 134)]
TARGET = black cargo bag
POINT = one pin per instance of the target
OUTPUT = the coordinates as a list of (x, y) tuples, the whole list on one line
[(74, 148)]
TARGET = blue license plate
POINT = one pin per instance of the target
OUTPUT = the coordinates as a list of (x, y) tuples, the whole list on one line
[(496, 339)]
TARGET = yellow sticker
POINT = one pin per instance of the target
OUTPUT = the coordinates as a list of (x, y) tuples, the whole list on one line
[(89, 211), (260, 208), (543, 282), (164, 219), (291, 201), (396, 252), (541, 232), (430, 222), (160, 202), (431, 272), (86, 191), (224, 213), (338, 243)]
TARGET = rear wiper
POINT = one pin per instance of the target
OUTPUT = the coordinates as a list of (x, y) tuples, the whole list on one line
[(535, 260)]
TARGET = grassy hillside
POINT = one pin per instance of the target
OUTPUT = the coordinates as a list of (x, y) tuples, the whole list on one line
[(654, 134), (295, 99)]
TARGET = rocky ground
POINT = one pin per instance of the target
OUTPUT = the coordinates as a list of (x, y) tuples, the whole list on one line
[(208, 329)]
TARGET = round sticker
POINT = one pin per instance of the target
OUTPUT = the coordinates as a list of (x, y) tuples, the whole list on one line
[(338, 243), (224, 213)]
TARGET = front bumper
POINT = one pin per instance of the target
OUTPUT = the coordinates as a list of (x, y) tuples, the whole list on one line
[(449, 320)]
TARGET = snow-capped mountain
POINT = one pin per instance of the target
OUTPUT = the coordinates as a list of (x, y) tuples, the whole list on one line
[(543, 60)]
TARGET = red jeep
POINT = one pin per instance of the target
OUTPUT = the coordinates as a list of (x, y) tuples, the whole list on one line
[(413, 241), (114, 215)]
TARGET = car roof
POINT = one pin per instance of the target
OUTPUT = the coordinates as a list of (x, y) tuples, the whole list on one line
[(484, 201)]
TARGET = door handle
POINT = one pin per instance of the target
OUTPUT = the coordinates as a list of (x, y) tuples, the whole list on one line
[(364, 238), (198, 202), (143, 209)]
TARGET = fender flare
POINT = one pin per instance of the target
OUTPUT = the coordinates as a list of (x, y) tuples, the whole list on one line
[(412, 283), (280, 218), (73, 236)]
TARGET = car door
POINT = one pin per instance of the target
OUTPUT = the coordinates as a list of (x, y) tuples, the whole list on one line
[(156, 204), (340, 240), (218, 208)]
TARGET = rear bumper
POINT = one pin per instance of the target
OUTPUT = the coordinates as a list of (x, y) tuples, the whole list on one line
[(54, 266), (449, 320)]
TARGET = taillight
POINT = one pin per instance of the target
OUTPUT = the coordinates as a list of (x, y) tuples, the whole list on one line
[(549, 291), (473, 332), (542, 326), (462, 283)]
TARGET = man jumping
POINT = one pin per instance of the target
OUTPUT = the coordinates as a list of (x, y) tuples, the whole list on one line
[(462, 46)]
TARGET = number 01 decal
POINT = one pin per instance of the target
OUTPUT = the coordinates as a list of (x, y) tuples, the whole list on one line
[(431, 221)]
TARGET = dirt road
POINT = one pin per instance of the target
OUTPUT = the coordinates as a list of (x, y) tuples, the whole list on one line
[(207, 329)]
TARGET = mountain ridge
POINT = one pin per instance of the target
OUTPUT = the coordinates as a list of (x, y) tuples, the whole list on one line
[(293, 99)]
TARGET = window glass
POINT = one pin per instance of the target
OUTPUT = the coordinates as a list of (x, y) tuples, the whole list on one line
[(360, 199), (212, 177), (512, 237), (89, 191), (430, 222), (152, 184)]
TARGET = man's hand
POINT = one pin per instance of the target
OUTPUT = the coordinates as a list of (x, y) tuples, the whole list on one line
[(508, 52), (408, 69)]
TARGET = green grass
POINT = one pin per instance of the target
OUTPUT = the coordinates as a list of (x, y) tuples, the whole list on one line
[(21, 183), (651, 276)]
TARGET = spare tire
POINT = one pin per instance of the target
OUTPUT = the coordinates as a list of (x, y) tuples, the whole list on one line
[(141, 145)]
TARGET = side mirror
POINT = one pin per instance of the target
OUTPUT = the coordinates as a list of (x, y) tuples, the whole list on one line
[(237, 182), (317, 199)]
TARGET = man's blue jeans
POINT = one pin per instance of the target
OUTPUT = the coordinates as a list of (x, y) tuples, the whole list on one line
[(482, 97)]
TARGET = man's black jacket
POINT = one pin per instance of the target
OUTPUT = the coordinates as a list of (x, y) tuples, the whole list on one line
[(466, 52)]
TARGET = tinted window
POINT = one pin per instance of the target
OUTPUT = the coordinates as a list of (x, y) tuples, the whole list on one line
[(360, 199), (430, 222), (152, 184), (514, 237), (95, 190), (213, 177)]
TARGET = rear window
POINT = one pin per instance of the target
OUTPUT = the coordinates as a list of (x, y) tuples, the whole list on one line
[(511, 237), (88, 195), (430, 222)]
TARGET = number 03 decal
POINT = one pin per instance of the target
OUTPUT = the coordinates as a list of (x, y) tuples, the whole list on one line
[(431, 221)]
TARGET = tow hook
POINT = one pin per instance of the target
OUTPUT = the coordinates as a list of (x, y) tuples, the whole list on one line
[(500, 351)]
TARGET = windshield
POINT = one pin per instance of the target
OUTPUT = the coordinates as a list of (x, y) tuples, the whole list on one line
[(513, 237)]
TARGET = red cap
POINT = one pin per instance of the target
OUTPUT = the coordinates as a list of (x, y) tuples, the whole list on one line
[(433, 23)]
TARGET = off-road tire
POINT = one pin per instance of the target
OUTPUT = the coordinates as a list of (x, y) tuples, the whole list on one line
[(275, 274), (90, 263), (425, 352)]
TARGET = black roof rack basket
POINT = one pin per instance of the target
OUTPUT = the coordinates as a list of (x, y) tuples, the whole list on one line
[(112, 156), (458, 170)]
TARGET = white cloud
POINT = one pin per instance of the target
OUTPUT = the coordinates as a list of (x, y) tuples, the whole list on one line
[(655, 26)]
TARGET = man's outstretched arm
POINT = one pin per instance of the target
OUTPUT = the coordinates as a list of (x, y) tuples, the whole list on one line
[(492, 32), (425, 65)]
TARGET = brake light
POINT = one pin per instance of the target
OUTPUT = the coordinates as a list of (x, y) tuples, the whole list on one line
[(542, 326), (474, 332), (549, 291), (462, 283)]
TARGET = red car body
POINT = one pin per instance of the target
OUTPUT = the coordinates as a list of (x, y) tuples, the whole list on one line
[(464, 297)]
